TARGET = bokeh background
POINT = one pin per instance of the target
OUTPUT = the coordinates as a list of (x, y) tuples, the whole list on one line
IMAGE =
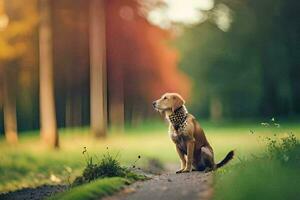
[(71, 70), (229, 59)]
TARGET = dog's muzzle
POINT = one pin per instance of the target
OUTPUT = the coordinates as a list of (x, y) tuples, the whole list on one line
[(154, 104)]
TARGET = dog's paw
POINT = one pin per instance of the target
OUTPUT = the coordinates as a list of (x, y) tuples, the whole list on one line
[(186, 170), (179, 171)]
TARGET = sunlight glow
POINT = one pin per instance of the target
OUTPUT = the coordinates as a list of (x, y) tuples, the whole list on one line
[(223, 17), (4, 20), (179, 11)]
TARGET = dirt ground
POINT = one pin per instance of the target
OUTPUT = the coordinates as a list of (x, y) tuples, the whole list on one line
[(42, 192), (194, 185), (168, 185)]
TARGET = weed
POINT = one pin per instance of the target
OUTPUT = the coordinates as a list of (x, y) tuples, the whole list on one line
[(107, 166), (285, 149)]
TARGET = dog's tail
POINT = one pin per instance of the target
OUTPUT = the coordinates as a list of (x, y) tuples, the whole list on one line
[(227, 158)]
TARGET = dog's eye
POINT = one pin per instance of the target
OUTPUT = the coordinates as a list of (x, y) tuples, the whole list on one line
[(165, 98)]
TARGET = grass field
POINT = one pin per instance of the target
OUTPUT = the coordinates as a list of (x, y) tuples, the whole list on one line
[(272, 174), (31, 163), (258, 179)]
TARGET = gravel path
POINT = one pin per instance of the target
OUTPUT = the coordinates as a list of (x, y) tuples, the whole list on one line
[(191, 186), (41, 192), (194, 185)]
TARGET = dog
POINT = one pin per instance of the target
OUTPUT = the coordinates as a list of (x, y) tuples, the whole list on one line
[(194, 151)]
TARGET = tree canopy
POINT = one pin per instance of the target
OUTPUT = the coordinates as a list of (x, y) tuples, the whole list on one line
[(250, 69)]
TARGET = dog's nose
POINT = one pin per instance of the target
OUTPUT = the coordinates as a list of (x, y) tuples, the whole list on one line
[(154, 103)]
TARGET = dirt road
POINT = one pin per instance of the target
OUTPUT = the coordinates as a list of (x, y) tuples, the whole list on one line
[(191, 186)]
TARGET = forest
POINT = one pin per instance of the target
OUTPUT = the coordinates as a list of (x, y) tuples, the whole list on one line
[(78, 78)]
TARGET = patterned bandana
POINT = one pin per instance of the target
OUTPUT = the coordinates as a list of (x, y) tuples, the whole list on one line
[(178, 118)]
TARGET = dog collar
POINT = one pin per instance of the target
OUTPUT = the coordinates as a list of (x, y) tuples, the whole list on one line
[(178, 118)]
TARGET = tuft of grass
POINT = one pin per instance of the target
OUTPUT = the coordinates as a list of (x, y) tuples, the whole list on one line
[(107, 166), (93, 190), (100, 178), (286, 149)]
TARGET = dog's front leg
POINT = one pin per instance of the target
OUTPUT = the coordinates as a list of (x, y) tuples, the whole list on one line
[(190, 155), (182, 160)]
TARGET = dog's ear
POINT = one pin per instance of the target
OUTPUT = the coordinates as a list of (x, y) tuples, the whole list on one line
[(177, 102)]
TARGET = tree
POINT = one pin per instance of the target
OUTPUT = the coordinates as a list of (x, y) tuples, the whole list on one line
[(98, 68), (141, 62), (250, 68), (47, 105), (9, 106), (17, 20)]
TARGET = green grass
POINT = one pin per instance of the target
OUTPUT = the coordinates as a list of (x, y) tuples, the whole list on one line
[(31, 163), (99, 178), (93, 190), (273, 174), (258, 179), (105, 166)]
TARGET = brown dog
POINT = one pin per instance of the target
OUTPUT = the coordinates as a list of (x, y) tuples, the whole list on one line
[(191, 143)]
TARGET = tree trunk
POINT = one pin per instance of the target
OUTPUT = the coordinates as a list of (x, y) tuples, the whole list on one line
[(116, 100), (98, 82), (9, 106), (73, 116), (116, 115), (47, 102), (216, 109)]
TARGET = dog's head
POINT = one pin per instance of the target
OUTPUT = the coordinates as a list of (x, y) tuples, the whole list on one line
[(168, 102)]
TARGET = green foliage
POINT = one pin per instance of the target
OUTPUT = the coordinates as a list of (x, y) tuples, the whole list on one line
[(94, 190), (31, 164), (108, 166), (272, 175), (286, 149), (251, 68), (257, 179)]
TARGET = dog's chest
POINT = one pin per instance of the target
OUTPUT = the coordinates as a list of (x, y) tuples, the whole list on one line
[(180, 139)]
